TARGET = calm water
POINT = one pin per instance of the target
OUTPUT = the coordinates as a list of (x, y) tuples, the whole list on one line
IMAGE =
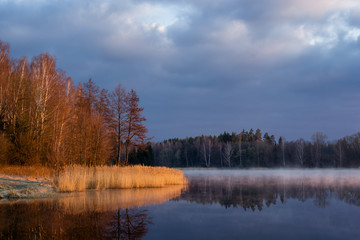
[(216, 205)]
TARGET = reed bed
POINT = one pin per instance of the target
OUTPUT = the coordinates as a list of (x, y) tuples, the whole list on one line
[(78, 178)]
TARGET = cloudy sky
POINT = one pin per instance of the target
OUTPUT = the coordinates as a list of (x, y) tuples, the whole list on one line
[(288, 67)]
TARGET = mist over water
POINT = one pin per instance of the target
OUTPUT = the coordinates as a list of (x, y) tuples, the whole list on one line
[(254, 189), (216, 204), (264, 204), (284, 176)]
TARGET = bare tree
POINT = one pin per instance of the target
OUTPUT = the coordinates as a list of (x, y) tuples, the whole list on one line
[(61, 123), (14, 106), (129, 224), (119, 98), (206, 150), (78, 137), (338, 149), (282, 144), (240, 152), (221, 153), (16, 94), (97, 107), (257, 148), (4, 53), (300, 145), (319, 142), (45, 120), (228, 151), (135, 129), (48, 90), (90, 134), (186, 155)]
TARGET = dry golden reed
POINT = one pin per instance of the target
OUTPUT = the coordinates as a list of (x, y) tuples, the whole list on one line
[(78, 178)]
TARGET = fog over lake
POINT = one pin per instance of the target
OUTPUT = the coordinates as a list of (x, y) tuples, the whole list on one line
[(228, 204)]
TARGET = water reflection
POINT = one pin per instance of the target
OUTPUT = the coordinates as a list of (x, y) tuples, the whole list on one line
[(43, 220), (114, 199), (256, 189), (309, 204), (113, 214)]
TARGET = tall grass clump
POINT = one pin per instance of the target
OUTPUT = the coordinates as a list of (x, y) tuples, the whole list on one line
[(79, 178)]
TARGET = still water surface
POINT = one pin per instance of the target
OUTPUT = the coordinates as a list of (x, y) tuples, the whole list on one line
[(226, 204)]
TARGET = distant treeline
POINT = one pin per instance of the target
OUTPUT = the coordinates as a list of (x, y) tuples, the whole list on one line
[(45, 119), (254, 149)]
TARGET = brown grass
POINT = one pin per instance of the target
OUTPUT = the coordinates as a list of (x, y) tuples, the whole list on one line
[(78, 178), (27, 171)]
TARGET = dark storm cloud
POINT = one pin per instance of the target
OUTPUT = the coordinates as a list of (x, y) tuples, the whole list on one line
[(202, 67)]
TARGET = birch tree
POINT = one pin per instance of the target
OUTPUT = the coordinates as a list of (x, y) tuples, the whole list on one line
[(5, 84), (300, 145), (48, 88), (240, 152), (227, 153), (206, 150), (62, 124)]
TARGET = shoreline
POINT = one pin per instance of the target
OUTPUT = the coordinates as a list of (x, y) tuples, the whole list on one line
[(18, 187), (79, 178)]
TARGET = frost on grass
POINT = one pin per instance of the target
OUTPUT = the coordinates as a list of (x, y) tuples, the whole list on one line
[(78, 178), (12, 189)]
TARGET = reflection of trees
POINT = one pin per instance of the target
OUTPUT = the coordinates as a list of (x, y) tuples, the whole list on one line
[(25, 221), (247, 193), (129, 224), (85, 225), (115, 214), (48, 220)]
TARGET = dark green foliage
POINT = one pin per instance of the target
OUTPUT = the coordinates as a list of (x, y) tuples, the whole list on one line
[(143, 156)]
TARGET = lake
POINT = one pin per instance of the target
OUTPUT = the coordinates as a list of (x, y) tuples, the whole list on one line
[(217, 204)]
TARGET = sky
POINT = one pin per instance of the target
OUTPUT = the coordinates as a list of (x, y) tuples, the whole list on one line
[(288, 67)]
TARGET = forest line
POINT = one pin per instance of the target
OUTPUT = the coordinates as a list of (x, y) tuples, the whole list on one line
[(46, 120), (252, 149)]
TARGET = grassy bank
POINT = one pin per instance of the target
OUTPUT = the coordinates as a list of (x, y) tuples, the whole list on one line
[(78, 178), (31, 172)]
